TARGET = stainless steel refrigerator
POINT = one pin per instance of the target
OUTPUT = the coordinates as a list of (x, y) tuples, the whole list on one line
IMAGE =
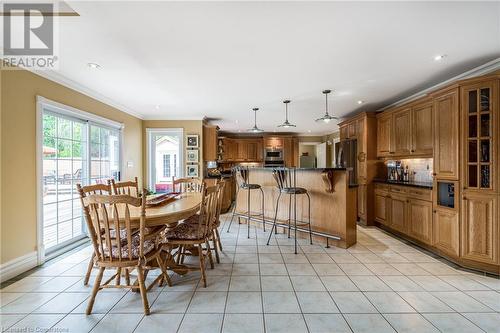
[(346, 153)]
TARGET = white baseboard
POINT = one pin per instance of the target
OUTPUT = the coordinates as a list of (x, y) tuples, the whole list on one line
[(18, 266)]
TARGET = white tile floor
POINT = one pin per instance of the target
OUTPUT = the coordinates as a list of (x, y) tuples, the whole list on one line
[(380, 285)]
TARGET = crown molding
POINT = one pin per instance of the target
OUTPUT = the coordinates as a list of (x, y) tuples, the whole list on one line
[(150, 118), (486, 68), (58, 78)]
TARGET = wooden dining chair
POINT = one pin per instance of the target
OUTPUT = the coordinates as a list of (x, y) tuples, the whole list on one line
[(214, 236), (109, 215), (188, 235), (126, 187), (84, 191), (186, 185)]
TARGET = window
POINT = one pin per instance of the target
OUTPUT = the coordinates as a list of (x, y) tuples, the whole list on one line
[(166, 166), (73, 149)]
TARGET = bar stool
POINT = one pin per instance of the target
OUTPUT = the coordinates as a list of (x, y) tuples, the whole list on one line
[(283, 179), (241, 174)]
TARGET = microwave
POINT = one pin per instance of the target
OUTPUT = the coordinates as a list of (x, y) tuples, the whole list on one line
[(273, 154)]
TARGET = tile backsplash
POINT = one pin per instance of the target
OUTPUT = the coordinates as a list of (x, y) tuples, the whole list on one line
[(420, 169)]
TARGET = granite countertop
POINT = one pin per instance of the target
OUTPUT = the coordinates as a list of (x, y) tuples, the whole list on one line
[(426, 185), (306, 169)]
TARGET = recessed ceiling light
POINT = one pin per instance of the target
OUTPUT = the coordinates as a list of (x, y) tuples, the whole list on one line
[(239, 131), (308, 131), (157, 107), (360, 102), (236, 121), (94, 65), (439, 57)]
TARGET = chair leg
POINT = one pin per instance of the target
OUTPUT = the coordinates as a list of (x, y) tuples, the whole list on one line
[(309, 212), (262, 210), (127, 276), (209, 253), (295, 220), (202, 266), (95, 289), (214, 240), (289, 215), (142, 287), (89, 269), (179, 254), (160, 262), (248, 212), (118, 275), (274, 222), (234, 211), (219, 243)]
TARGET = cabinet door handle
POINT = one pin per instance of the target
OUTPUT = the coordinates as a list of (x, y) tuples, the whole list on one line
[(434, 211), (413, 150)]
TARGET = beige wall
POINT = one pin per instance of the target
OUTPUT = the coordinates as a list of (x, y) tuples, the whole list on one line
[(19, 89), (189, 126)]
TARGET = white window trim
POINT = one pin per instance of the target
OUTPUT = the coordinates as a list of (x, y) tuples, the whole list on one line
[(150, 153), (41, 104)]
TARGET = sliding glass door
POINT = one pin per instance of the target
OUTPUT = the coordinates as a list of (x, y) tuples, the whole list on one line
[(165, 159), (74, 151)]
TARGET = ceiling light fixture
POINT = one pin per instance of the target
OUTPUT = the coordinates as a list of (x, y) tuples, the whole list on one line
[(157, 107), (439, 57), (255, 129), (286, 124), (326, 118), (94, 65), (360, 102)]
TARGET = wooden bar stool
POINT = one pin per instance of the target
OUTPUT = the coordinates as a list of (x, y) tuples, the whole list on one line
[(241, 174), (286, 185)]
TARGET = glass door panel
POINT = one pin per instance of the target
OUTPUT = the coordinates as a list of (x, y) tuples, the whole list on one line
[(165, 160), (63, 166), (104, 154)]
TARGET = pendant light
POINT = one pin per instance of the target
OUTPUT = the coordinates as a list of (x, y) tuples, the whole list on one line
[(326, 118), (255, 129), (286, 124)]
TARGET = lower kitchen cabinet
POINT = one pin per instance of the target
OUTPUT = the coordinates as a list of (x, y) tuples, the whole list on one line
[(382, 204), (420, 220), (480, 227), (398, 213), (362, 192), (446, 231)]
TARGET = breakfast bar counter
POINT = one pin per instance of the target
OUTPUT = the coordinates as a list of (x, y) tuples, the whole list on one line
[(333, 201)]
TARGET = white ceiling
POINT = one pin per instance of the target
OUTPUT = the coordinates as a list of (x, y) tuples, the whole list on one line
[(221, 59)]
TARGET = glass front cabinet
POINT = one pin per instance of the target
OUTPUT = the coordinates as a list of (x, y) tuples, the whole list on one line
[(479, 117)]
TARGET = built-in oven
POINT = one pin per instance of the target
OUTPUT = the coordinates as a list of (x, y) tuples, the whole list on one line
[(273, 154)]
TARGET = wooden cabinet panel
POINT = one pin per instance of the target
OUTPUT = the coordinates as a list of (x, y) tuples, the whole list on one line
[(273, 142), (398, 213), (288, 151), (362, 196), (421, 129), (480, 228), (352, 129), (384, 135), (209, 143), (402, 132), (344, 132), (382, 203), (446, 135), (420, 220), (446, 231), (241, 150), (252, 151)]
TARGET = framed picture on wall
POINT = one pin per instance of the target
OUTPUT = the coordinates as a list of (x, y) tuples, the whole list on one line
[(192, 170), (192, 156), (192, 141)]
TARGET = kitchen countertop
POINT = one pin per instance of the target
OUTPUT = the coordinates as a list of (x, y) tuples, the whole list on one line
[(426, 185)]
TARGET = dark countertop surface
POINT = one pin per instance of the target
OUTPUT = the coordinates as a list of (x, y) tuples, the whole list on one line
[(305, 169), (412, 184)]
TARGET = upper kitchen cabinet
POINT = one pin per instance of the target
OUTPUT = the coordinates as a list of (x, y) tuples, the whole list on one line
[(384, 135), (446, 134), (273, 142), (421, 126), (401, 121), (210, 142), (479, 103)]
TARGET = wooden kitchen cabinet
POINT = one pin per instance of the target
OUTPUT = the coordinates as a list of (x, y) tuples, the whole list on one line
[(352, 129), (420, 220), (362, 190), (402, 132), (446, 135), (479, 238), (210, 142), (446, 231), (382, 206), (273, 142), (288, 151), (384, 135), (344, 132), (421, 129), (398, 213), (242, 150)]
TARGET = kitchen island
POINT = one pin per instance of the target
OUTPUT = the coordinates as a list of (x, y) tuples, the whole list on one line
[(333, 202)]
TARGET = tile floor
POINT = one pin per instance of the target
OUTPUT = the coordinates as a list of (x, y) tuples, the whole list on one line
[(380, 285)]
